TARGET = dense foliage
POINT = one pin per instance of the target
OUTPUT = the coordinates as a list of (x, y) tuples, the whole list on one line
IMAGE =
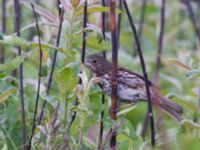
[(179, 77)]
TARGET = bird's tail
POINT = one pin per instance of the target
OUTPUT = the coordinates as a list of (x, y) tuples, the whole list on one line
[(168, 106)]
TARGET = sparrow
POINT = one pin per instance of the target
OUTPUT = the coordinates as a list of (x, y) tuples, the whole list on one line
[(130, 86)]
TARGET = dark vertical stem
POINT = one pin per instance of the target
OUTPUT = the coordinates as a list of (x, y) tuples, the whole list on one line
[(192, 17), (160, 41), (59, 6), (101, 123), (103, 26), (145, 124), (39, 79), (141, 22), (119, 23), (84, 33), (195, 24), (144, 2), (82, 55), (21, 87), (101, 127), (137, 41), (2, 57), (103, 17), (113, 109), (52, 67)]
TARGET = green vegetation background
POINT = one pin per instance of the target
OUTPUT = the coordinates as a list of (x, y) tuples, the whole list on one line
[(179, 76)]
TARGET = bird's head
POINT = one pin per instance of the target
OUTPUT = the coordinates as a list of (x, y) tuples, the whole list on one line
[(98, 64)]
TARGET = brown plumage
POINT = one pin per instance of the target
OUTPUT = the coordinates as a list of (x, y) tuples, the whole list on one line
[(131, 86)]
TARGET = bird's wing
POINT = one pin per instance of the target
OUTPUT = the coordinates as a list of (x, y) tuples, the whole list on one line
[(130, 79), (134, 80), (131, 73)]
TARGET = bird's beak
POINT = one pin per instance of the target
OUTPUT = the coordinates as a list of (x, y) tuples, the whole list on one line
[(89, 65)]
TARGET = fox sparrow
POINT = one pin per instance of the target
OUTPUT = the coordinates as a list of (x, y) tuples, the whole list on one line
[(131, 86)]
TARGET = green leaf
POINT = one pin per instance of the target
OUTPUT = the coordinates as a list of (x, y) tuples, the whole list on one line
[(45, 45), (65, 80), (14, 40), (95, 9), (189, 124), (13, 64), (2, 75), (193, 73), (6, 94), (96, 46)]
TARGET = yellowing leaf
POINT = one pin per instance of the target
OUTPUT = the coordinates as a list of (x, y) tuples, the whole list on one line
[(45, 55), (6, 94), (94, 9), (75, 3), (178, 63)]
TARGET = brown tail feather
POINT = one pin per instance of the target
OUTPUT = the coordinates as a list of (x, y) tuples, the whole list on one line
[(171, 112), (170, 107)]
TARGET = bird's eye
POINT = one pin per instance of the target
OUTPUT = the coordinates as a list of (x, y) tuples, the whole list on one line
[(94, 61)]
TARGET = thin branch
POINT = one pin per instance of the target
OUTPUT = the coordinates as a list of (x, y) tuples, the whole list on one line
[(192, 17), (112, 131), (103, 25), (119, 23), (2, 59), (101, 127), (80, 138), (160, 42), (141, 23), (145, 122), (137, 41), (84, 33), (113, 109), (52, 67), (144, 3), (21, 86), (39, 79), (145, 125)]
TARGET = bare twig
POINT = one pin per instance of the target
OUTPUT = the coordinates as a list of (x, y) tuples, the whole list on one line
[(197, 29), (112, 131), (52, 67), (144, 72), (21, 87), (113, 109), (119, 23), (160, 42), (144, 2), (192, 17), (84, 33), (103, 25), (145, 125), (39, 79), (2, 57), (101, 127), (156, 76)]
